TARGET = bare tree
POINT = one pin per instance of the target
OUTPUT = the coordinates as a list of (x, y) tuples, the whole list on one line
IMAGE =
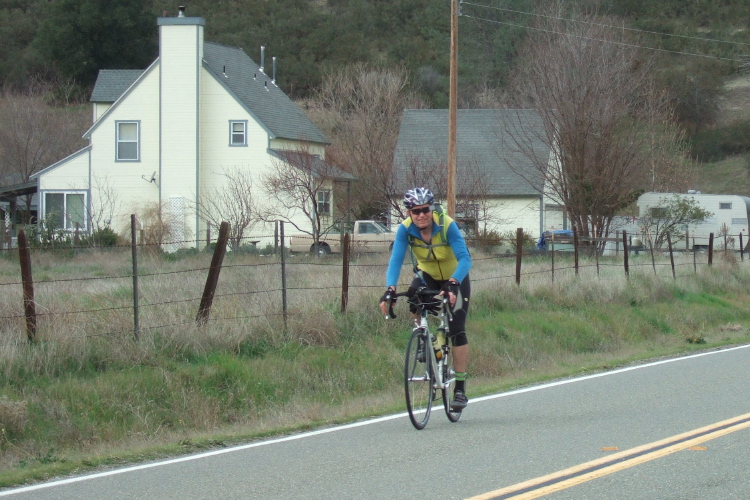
[(361, 106), (34, 135), (105, 202), (474, 208), (299, 182), (593, 91), (233, 201)]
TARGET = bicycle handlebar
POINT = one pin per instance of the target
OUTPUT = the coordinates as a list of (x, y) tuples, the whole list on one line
[(420, 292)]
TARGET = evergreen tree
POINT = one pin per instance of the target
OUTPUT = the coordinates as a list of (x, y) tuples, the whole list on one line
[(81, 37)]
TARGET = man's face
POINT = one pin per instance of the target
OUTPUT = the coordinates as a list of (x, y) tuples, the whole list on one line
[(421, 216)]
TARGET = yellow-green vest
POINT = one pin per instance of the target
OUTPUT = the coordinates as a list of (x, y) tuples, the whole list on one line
[(436, 258)]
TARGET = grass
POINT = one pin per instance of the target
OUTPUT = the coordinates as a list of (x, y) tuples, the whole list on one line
[(87, 394)]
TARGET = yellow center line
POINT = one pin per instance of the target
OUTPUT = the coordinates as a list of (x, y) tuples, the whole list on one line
[(560, 480)]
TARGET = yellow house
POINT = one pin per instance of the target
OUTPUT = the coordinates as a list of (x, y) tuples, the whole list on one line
[(165, 137)]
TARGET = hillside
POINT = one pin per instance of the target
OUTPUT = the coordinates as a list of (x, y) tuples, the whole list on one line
[(731, 174)]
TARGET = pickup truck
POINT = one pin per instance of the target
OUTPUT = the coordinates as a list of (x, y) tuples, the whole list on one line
[(366, 236)]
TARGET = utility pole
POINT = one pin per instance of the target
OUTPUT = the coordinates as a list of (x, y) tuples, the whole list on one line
[(452, 110)]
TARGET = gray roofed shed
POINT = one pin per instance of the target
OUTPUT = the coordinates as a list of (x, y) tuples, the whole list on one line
[(483, 140)]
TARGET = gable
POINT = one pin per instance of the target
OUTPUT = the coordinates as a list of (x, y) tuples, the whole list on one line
[(257, 92)]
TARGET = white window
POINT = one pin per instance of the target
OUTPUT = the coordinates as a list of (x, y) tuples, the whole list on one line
[(65, 210), (324, 202), (725, 206), (128, 138), (238, 133)]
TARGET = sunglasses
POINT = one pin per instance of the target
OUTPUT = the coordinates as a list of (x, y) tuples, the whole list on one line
[(423, 210)]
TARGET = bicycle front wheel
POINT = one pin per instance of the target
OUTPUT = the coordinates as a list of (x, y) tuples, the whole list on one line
[(418, 379), (449, 381)]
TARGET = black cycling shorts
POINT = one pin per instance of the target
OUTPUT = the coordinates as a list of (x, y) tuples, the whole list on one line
[(457, 327)]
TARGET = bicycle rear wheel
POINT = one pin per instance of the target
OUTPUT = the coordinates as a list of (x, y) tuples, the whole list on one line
[(418, 379), (449, 374)]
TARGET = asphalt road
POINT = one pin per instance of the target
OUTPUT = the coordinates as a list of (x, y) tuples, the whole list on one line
[(673, 429)]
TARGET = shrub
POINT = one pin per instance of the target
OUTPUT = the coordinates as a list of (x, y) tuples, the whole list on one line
[(718, 143), (102, 237)]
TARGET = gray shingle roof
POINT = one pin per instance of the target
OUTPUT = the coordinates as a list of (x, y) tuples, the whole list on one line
[(254, 89), (112, 83), (267, 102), (484, 144)]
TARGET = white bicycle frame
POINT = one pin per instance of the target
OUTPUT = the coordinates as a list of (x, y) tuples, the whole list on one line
[(421, 323)]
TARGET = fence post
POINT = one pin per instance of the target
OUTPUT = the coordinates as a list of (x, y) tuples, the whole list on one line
[(134, 254), (519, 247), (283, 272), (742, 250), (625, 252), (276, 237), (552, 255), (575, 249), (710, 249), (29, 305), (345, 272), (651, 242), (213, 274), (671, 254), (617, 243)]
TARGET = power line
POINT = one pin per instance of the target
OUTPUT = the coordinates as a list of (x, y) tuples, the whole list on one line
[(605, 25), (605, 41)]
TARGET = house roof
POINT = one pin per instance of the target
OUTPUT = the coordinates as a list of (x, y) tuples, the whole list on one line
[(112, 83), (486, 144), (259, 94), (306, 161), (13, 185), (242, 77)]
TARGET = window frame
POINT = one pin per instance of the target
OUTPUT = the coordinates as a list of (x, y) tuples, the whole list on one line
[(232, 143), (325, 203), (67, 224), (119, 141)]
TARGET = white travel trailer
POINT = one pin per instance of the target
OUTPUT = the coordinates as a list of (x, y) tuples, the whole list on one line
[(729, 211)]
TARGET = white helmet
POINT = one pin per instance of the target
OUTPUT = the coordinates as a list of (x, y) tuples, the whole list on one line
[(418, 196)]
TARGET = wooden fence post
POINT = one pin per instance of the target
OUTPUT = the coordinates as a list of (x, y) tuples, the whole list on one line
[(276, 237), (671, 254), (552, 254), (213, 274), (625, 252), (134, 254), (29, 305), (575, 249), (742, 250), (345, 272), (519, 247), (283, 272), (710, 249)]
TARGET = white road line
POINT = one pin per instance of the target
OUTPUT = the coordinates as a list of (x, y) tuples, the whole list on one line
[(318, 432)]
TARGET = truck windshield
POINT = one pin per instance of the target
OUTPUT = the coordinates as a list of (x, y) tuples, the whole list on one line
[(381, 227)]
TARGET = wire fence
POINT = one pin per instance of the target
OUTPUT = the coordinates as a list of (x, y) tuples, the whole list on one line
[(127, 290)]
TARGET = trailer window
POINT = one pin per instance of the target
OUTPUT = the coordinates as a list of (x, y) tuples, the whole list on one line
[(658, 212), (725, 206)]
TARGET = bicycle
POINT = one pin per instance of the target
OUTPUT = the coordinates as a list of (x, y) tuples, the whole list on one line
[(427, 370)]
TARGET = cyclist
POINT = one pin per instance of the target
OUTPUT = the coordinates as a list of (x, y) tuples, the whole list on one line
[(442, 262)]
